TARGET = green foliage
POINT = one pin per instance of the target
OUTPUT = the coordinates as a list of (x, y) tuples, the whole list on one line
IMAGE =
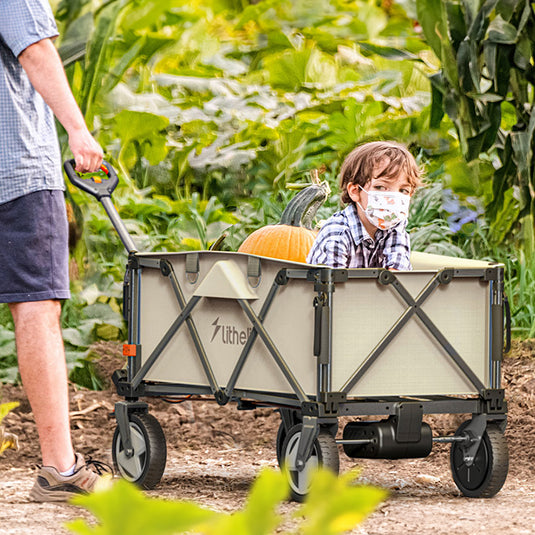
[(486, 86), (90, 315), (8, 360), (243, 91), (428, 226), (335, 505)]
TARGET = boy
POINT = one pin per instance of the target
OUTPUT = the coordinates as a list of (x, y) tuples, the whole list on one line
[(377, 182)]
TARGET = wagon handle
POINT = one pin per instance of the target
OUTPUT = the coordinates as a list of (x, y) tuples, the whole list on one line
[(101, 187), (93, 183)]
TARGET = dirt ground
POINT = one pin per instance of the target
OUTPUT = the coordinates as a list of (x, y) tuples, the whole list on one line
[(215, 452)]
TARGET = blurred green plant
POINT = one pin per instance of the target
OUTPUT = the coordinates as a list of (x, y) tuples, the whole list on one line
[(334, 506)]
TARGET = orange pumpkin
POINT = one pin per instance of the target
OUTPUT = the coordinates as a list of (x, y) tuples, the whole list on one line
[(292, 238)]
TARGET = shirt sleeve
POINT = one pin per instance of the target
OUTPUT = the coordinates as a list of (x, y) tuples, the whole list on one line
[(331, 248), (397, 249), (25, 22)]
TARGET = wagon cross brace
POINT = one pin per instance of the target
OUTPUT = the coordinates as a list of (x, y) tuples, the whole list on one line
[(414, 307)]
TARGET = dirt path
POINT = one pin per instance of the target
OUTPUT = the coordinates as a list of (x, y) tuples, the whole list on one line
[(423, 498), (215, 452)]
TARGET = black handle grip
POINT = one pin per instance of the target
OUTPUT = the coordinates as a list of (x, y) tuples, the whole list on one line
[(95, 184)]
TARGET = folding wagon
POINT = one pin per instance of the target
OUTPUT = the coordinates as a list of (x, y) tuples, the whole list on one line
[(314, 343)]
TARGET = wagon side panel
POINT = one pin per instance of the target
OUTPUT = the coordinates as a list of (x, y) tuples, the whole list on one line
[(413, 362), (224, 328)]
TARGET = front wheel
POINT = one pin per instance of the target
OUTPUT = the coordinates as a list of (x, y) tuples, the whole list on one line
[(486, 475), (146, 466), (324, 453)]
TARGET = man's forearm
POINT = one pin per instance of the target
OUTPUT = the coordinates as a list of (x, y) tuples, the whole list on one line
[(45, 71)]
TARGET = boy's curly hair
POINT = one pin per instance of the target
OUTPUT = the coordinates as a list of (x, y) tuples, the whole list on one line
[(378, 159)]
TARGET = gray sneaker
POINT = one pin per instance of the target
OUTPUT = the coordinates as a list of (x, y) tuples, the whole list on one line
[(51, 486)]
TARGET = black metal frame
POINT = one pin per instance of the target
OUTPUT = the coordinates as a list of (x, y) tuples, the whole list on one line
[(326, 406)]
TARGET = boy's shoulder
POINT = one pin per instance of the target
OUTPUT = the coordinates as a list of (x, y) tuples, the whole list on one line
[(337, 223), (345, 216), (341, 221)]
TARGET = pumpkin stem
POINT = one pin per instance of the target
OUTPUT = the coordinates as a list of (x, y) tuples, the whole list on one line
[(301, 210)]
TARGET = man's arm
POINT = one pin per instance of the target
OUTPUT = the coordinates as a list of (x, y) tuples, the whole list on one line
[(43, 66)]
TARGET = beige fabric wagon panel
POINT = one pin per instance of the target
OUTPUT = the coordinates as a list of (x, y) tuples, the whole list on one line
[(414, 363), (223, 326)]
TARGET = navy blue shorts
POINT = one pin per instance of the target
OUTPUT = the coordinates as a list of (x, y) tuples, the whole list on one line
[(34, 254)]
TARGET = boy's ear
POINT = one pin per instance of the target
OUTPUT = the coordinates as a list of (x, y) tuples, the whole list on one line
[(353, 191)]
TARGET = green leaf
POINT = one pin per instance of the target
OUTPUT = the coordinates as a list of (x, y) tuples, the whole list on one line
[(143, 129), (505, 218), (124, 509), (254, 12), (114, 76), (333, 506), (388, 52), (75, 359), (270, 488), (259, 516), (103, 313), (76, 337), (501, 32), (432, 18), (293, 69), (522, 54), (480, 24), (502, 71), (503, 179)]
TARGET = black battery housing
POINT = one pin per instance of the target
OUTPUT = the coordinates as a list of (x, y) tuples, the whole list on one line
[(383, 441)]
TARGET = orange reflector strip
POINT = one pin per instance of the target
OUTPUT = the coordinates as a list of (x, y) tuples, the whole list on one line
[(97, 180), (129, 350)]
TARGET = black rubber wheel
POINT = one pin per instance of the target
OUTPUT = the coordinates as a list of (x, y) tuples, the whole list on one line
[(281, 436), (324, 453), (145, 468), (291, 418), (486, 475)]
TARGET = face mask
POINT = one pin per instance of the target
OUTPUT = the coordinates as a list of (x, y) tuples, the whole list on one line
[(386, 209)]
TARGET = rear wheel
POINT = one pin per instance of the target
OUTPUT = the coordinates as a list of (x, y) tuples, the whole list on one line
[(281, 436), (486, 475), (146, 466), (324, 453)]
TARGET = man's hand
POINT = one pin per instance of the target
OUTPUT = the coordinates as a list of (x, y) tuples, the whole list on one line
[(45, 71), (86, 151)]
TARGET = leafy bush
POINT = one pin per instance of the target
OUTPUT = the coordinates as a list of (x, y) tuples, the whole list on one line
[(334, 505)]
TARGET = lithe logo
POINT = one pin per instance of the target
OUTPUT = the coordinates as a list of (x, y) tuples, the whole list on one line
[(229, 334)]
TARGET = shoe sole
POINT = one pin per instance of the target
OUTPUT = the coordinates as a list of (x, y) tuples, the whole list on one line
[(39, 494)]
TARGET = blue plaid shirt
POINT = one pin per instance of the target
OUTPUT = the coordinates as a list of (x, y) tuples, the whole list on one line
[(343, 242), (30, 158)]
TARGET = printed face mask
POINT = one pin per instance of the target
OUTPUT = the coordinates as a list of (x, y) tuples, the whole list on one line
[(386, 209)]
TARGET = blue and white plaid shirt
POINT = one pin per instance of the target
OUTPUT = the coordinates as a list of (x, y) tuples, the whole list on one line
[(343, 242), (30, 158)]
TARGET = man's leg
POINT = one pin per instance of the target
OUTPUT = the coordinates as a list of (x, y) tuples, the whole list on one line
[(42, 367)]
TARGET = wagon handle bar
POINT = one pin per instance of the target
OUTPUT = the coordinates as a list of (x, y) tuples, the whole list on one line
[(102, 189)]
